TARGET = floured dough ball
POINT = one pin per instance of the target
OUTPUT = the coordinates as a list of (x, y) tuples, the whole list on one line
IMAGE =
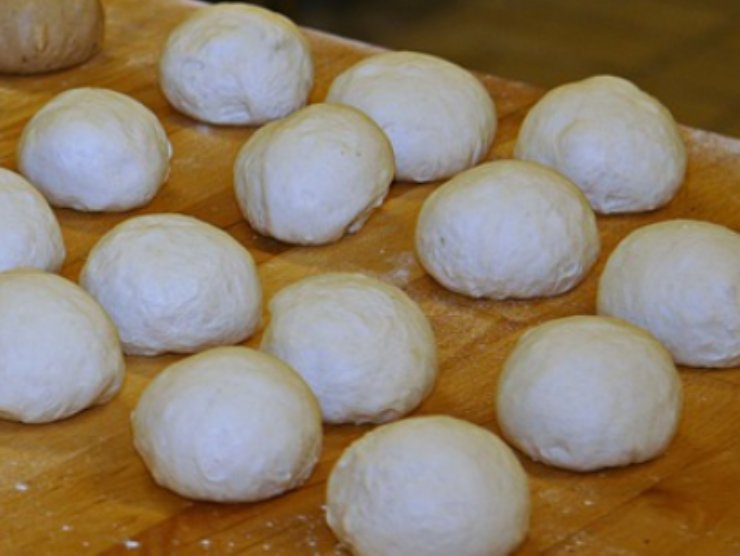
[(29, 232), (95, 150), (679, 279), (507, 229), (429, 486), (314, 176), (584, 393), (617, 143), (228, 425), (60, 351), (439, 117), (236, 64), (172, 283)]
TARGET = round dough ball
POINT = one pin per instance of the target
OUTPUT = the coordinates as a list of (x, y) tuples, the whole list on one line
[(236, 64), (679, 279), (29, 232), (172, 283), (365, 348), (60, 351), (429, 486), (228, 425), (584, 393), (313, 176), (95, 150), (507, 229), (617, 143), (439, 117), (45, 35)]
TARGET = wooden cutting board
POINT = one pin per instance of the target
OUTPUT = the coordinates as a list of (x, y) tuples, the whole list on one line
[(78, 487)]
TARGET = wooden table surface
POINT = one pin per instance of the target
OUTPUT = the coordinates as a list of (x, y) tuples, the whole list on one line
[(78, 487)]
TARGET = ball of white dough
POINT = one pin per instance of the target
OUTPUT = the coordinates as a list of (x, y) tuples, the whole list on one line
[(439, 117), (584, 393), (95, 150), (429, 486), (60, 351), (364, 347), (230, 424), (680, 280), (172, 283), (507, 229), (236, 64), (29, 232), (617, 143), (314, 176)]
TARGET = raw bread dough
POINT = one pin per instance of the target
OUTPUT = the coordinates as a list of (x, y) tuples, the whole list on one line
[(584, 393), (60, 351), (439, 117), (236, 64), (29, 232), (315, 175), (617, 143), (680, 279), (95, 150), (365, 348), (230, 424), (507, 229), (429, 486), (172, 283)]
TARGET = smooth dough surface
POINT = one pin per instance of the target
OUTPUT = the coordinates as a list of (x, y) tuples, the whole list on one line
[(680, 279), (617, 143), (236, 64), (428, 486), (315, 175), (173, 283), (95, 150), (439, 117), (585, 392), (230, 424), (507, 229), (365, 348), (60, 351)]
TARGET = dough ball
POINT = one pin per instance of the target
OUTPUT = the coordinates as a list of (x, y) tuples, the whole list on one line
[(95, 150), (584, 393), (172, 283), (365, 348), (679, 279), (429, 486), (60, 351), (45, 35), (617, 143), (507, 229), (236, 64), (228, 425), (313, 176), (439, 117), (29, 232)]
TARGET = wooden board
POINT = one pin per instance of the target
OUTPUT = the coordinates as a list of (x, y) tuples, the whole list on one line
[(77, 487)]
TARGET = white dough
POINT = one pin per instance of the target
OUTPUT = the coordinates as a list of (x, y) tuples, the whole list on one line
[(172, 283), (60, 351), (236, 64), (230, 424), (439, 117), (679, 279), (617, 143), (584, 393), (314, 176), (29, 232), (429, 486), (95, 150), (507, 229)]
